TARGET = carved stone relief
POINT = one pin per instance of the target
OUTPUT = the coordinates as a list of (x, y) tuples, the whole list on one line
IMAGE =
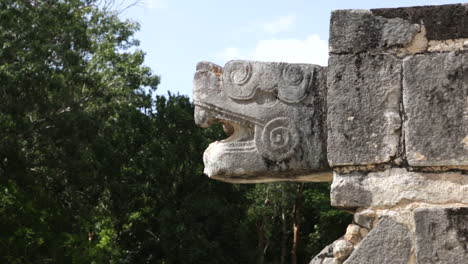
[(274, 115)]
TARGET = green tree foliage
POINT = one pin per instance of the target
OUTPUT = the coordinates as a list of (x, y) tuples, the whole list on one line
[(95, 169), (66, 78), (172, 212), (277, 210)]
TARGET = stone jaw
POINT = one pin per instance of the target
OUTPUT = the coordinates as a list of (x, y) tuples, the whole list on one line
[(275, 115)]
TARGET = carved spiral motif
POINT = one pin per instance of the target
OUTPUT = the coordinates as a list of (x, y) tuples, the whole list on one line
[(279, 139), (242, 80), (237, 75), (241, 72), (293, 74), (294, 84)]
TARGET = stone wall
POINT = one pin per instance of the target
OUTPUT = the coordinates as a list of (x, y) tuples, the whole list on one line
[(398, 134), (386, 121)]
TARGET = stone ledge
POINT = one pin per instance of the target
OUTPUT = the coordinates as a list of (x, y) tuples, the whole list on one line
[(397, 187)]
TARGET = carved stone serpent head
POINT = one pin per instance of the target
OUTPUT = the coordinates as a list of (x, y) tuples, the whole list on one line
[(274, 114)]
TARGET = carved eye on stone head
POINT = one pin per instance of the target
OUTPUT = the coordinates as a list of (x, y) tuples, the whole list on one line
[(236, 75), (241, 73), (295, 83), (278, 139), (293, 74)]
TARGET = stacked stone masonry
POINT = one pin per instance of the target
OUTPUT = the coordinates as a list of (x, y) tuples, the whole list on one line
[(398, 133), (383, 93), (386, 122)]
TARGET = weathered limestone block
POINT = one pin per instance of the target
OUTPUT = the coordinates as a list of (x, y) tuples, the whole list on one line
[(342, 249), (275, 115), (353, 234), (397, 186), (441, 235), (364, 93), (441, 21), (435, 96), (334, 253), (415, 29), (389, 242), (354, 31)]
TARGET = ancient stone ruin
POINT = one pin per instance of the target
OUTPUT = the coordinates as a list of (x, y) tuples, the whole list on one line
[(386, 122)]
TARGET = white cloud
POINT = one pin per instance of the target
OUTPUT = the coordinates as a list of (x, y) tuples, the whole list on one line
[(155, 4), (282, 24), (310, 50)]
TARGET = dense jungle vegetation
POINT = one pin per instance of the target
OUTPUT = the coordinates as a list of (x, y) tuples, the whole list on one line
[(95, 168)]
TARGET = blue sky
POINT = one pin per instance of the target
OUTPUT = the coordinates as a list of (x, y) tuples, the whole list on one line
[(176, 34)]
